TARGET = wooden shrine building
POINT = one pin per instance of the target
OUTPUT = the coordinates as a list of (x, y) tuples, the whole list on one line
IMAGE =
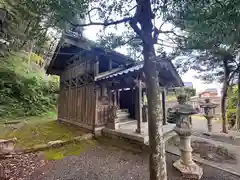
[(101, 88)]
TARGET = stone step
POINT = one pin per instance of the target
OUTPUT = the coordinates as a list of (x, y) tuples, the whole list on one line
[(122, 110), (122, 115)]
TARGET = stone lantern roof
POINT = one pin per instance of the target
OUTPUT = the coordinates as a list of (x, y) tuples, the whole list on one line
[(208, 104), (182, 107)]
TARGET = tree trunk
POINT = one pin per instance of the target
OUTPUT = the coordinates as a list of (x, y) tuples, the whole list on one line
[(224, 96), (237, 122), (157, 158), (223, 108)]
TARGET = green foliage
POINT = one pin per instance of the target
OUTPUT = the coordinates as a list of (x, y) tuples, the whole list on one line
[(28, 23), (232, 105), (189, 92), (36, 59), (25, 90), (208, 35)]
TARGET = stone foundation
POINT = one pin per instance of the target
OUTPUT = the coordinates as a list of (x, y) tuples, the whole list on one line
[(191, 171)]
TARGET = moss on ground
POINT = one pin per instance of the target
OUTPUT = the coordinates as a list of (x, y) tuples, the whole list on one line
[(42, 131), (77, 148), (3, 130), (72, 149)]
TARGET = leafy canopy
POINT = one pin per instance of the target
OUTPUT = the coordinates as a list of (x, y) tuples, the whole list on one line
[(210, 35)]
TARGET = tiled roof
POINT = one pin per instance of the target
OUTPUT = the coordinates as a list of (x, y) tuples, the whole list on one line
[(168, 74), (120, 72)]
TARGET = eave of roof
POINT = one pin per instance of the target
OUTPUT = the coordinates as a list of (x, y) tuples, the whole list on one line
[(164, 63), (120, 72), (89, 47)]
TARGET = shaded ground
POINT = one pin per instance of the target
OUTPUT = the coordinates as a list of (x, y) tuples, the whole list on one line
[(103, 163), (225, 139), (207, 150)]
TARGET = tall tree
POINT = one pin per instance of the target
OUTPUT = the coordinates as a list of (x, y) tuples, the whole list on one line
[(211, 34), (29, 21), (237, 122), (139, 17)]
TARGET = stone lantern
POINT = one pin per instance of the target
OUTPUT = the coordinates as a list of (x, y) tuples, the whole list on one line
[(183, 128), (209, 112)]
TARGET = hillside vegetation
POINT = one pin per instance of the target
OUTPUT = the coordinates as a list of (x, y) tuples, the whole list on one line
[(25, 89)]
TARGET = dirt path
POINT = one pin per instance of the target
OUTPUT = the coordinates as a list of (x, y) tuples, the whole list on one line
[(102, 163)]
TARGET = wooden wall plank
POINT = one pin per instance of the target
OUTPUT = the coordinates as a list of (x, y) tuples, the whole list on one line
[(69, 104), (78, 104), (73, 104), (87, 103), (82, 105)]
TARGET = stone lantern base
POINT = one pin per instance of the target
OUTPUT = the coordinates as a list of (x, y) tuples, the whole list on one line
[(191, 171)]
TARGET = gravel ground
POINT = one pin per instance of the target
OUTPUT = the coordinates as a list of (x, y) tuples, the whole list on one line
[(20, 167), (103, 163)]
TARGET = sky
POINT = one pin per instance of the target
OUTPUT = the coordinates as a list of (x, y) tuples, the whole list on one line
[(91, 33)]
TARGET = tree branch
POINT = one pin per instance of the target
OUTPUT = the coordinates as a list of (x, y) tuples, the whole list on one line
[(171, 32), (155, 34), (166, 45), (233, 73), (103, 23), (128, 41), (136, 29), (89, 12), (132, 8)]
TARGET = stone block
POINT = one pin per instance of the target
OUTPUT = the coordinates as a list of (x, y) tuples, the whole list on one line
[(7, 146), (112, 125), (192, 171)]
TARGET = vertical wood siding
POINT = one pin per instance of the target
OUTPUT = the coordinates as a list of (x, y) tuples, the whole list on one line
[(77, 94), (77, 105), (103, 109)]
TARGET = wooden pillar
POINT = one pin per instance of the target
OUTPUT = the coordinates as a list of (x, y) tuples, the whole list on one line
[(118, 97), (110, 64), (104, 90), (110, 96), (145, 108), (164, 93), (115, 97), (138, 106), (96, 108), (96, 67)]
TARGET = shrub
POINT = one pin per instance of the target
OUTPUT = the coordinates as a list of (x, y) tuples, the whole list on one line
[(231, 105), (25, 89)]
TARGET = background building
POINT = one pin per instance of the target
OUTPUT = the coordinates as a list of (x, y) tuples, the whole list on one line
[(210, 92)]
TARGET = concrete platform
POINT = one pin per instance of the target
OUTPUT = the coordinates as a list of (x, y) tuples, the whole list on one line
[(127, 131)]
